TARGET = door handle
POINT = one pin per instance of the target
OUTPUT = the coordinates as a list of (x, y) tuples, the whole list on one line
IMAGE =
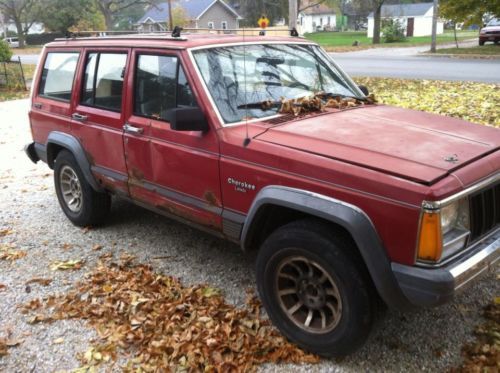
[(131, 129), (79, 117), (37, 105)]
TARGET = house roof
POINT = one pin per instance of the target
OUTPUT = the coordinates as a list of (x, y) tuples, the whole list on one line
[(318, 9), (193, 8), (404, 10)]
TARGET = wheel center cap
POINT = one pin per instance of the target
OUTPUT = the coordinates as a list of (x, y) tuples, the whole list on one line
[(311, 293)]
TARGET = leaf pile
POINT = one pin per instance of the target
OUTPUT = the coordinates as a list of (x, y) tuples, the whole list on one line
[(162, 325), (483, 355), (474, 102)]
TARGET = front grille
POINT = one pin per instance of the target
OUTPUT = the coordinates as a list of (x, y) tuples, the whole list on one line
[(484, 211)]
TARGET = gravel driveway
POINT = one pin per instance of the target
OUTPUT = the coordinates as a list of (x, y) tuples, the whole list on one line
[(422, 340)]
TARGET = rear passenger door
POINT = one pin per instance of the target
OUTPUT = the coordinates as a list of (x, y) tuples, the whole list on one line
[(174, 171), (98, 116)]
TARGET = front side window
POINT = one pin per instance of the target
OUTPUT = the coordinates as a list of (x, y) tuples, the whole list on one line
[(57, 75), (240, 78), (160, 85), (103, 81)]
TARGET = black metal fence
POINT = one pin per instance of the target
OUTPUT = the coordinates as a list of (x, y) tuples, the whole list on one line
[(12, 75)]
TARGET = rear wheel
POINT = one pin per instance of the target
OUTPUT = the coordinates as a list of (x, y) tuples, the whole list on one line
[(79, 201), (314, 291), (481, 42)]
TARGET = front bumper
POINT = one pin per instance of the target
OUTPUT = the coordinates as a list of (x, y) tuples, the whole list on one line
[(427, 287), (489, 37)]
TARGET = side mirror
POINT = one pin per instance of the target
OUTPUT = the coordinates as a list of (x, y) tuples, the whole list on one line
[(187, 119), (364, 89)]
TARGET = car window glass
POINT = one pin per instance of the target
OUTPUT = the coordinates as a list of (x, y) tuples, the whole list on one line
[(103, 89), (160, 86), (57, 75)]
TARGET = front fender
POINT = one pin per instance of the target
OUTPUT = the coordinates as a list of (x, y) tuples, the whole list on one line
[(350, 217)]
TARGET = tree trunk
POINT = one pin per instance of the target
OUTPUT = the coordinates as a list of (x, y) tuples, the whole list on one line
[(170, 18), (20, 33), (377, 16), (455, 33), (108, 18)]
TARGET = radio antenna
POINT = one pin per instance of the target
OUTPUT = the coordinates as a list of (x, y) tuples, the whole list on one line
[(247, 140)]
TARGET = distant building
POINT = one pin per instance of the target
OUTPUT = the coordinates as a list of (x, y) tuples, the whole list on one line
[(416, 18), (213, 14), (316, 18)]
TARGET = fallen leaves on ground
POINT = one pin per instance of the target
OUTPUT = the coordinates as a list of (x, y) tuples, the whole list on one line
[(161, 325), (474, 102), (6, 343), (40, 281), (5, 232), (7, 252), (483, 355), (3, 287), (65, 265)]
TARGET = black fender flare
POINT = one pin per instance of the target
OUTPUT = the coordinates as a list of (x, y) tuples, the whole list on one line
[(72, 144), (351, 218)]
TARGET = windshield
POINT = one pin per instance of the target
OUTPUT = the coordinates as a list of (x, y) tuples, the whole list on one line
[(273, 72), (494, 22)]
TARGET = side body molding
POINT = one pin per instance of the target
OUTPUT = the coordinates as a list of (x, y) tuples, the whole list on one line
[(73, 145), (350, 217)]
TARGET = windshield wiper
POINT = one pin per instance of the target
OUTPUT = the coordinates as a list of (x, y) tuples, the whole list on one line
[(328, 95), (263, 105)]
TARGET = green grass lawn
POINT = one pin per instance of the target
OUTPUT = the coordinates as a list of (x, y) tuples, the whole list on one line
[(485, 50), (331, 40)]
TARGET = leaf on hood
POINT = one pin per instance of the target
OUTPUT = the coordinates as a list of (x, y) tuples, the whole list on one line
[(65, 265)]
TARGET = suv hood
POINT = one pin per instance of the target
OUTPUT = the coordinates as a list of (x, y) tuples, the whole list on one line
[(406, 143)]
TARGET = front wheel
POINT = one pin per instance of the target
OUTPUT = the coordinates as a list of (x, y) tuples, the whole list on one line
[(79, 201), (314, 291)]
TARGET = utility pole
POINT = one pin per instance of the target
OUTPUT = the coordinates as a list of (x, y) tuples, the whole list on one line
[(170, 18), (3, 29), (434, 26), (292, 14)]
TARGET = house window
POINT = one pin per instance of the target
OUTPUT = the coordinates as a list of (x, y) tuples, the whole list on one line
[(321, 21), (223, 25), (328, 19), (211, 25), (302, 21)]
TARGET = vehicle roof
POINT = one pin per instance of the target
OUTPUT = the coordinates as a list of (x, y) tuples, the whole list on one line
[(166, 41)]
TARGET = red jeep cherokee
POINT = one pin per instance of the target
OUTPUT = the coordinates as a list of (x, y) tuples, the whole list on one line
[(266, 142)]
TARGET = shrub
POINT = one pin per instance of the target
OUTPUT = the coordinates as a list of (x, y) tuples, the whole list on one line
[(393, 31), (5, 52)]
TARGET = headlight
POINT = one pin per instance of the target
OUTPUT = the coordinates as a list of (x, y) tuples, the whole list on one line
[(482, 32), (443, 231)]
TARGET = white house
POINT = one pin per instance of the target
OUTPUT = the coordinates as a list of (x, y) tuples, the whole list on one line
[(316, 18), (416, 18)]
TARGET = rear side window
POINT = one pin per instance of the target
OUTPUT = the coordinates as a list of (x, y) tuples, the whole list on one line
[(103, 81), (160, 85), (57, 75)]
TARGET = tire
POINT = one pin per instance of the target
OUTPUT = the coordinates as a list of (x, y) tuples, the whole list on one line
[(343, 305), (79, 201), (481, 43)]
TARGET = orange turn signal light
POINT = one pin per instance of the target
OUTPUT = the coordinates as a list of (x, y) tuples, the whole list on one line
[(430, 242)]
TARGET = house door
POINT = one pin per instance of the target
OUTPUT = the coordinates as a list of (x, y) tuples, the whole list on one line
[(410, 26)]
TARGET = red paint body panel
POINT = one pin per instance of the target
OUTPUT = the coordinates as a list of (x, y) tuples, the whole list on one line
[(382, 159)]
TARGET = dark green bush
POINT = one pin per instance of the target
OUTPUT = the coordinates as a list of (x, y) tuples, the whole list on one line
[(393, 31), (5, 51)]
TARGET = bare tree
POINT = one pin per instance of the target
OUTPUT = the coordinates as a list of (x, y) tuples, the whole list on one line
[(377, 19), (110, 8), (23, 13)]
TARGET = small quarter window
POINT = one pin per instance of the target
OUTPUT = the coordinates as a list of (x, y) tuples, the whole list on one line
[(160, 85), (57, 75), (103, 81)]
